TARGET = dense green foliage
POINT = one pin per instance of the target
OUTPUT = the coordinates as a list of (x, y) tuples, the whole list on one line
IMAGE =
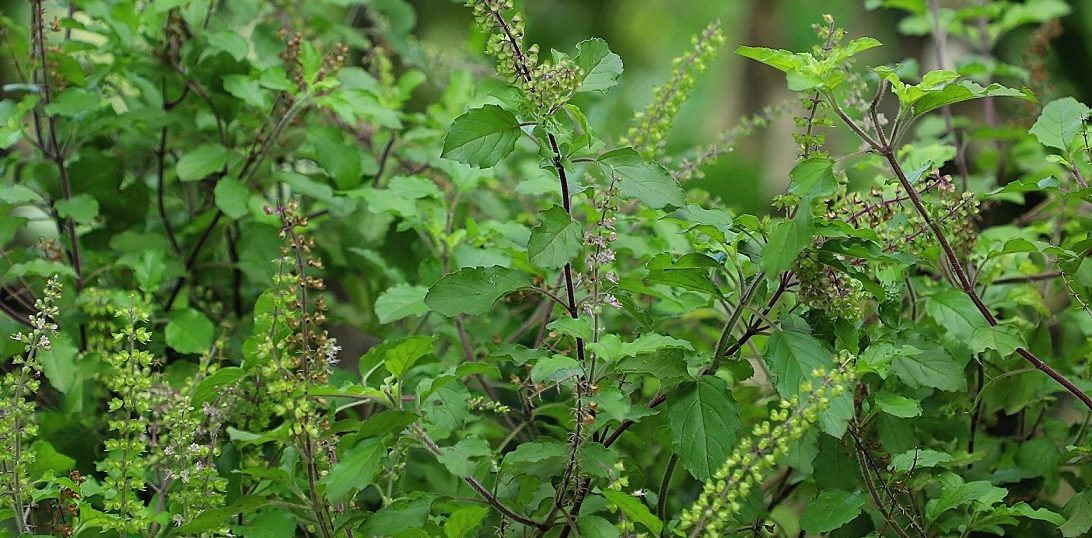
[(274, 271)]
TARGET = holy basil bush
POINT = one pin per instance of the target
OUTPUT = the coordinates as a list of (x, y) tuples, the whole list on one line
[(274, 269)]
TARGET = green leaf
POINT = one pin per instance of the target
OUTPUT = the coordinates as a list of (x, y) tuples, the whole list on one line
[(897, 406), (399, 302), (634, 510), (473, 290), (59, 364), (666, 365), (611, 347), (355, 470), (230, 42), (791, 356), (955, 493), (1060, 122), (1079, 511), (390, 421), (690, 271), (788, 238), (214, 518), (47, 459), (704, 423), (964, 90), (398, 516), (881, 354), (202, 162), (338, 157), (648, 182), (1005, 339), (779, 59), (597, 527), (270, 523), (830, 510), (212, 386), (17, 194), (556, 369), (600, 66), (482, 136), (246, 89), (813, 178), (462, 522), (232, 197), (918, 459), (556, 241), (934, 367), (189, 332), (459, 459), (81, 208), (576, 328), (73, 102), (955, 313), (400, 355)]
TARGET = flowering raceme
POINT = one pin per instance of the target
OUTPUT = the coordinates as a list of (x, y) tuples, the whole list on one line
[(747, 466)]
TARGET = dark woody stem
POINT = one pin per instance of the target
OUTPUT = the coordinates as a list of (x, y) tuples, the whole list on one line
[(966, 284)]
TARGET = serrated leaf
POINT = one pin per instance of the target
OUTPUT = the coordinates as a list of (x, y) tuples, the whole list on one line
[(597, 527), (461, 458), (1005, 339), (556, 369), (788, 238), (473, 290), (648, 182), (813, 178), (1060, 122), (704, 423), (556, 240), (933, 367), (354, 470), (955, 493), (918, 459), (59, 363), (791, 356), (600, 66), (462, 522), (830, 510), (81, 208), (955, 312), (576, 328), (964, 90), (230, 42), (1079, 510), (400, 355), (634, 510), (482, 136)]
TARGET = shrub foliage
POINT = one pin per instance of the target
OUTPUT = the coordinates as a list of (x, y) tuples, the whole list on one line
[(278, 269)]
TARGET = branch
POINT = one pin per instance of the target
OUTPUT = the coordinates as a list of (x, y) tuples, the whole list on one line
[(477, 486), (888, 153)]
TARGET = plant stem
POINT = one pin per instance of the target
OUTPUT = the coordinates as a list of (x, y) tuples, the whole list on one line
[(432, 447), (661, 497), (940, 36), (888, 153)]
